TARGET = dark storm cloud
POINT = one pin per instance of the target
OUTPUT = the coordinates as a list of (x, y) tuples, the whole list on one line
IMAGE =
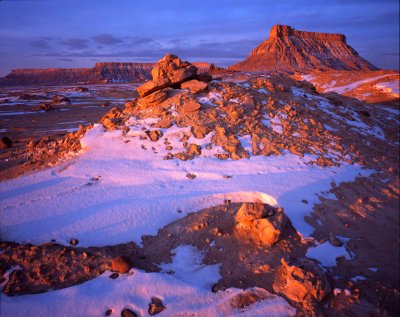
[(42, 44), (107, 39), (75, 43)]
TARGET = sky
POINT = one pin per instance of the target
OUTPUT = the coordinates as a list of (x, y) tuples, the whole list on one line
[(78, 33)]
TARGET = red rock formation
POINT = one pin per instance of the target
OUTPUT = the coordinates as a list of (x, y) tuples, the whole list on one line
[(101, 72), (290, 50)]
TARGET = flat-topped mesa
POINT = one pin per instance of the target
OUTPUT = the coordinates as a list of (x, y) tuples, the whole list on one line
[(289, 50), (281, 31)]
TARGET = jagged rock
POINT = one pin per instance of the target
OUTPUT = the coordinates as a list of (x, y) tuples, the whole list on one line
[(153, 99), (229, 143), (191, 106), (154, 135), (194, 86), (301, 281), (194, 149), (156, 306), (200, 131), (112, 119), (260, 222), (289, 50), (121, 264), (164, 123), (169, 71), (5, 143), (204, 77), (151, 86)]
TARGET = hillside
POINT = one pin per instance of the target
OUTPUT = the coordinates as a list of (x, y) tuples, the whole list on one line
[(248, 196)]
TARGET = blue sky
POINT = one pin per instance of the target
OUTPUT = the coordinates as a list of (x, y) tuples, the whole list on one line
[(78, 33)]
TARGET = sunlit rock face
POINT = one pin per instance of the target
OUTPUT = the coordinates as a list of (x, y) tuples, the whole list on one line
[(290, 50)]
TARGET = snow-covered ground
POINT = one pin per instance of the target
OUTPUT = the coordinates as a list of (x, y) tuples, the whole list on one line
[(390, 87), (120, 188)]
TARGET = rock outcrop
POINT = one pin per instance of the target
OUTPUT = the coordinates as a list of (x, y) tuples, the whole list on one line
[(168, 72), (100, 73), (290, 50)]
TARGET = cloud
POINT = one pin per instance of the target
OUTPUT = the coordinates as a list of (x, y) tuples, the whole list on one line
[(107, 39), (65, 59), (137, 40), (75, 43), (40, 44)]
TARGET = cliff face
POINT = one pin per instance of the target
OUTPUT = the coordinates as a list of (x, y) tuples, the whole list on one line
[(100, 73), (290, 50)]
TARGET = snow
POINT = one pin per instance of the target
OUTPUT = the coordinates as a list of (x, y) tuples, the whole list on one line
[(139, 192), (326, 253), (354, 85), (116, 191), (390, 87), (134, 291), (187, 266)]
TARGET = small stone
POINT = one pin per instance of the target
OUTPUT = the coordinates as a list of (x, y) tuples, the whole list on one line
[(126, 312), (227, 176), (154, 135), (156, 306), (121, 264), (108, 312), (73, 242), (191, 176), (168, 147), (304, 201)]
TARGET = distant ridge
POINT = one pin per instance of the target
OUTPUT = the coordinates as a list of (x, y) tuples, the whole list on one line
[(100, 73), (287, 49)]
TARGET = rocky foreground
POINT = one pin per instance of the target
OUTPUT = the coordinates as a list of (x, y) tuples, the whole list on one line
[(182, 118)]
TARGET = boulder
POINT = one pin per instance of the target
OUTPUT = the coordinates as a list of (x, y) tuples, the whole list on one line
[(153, 99), (169, 71), (301, 281), (260, 222), (194, 86), (112, 119)]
